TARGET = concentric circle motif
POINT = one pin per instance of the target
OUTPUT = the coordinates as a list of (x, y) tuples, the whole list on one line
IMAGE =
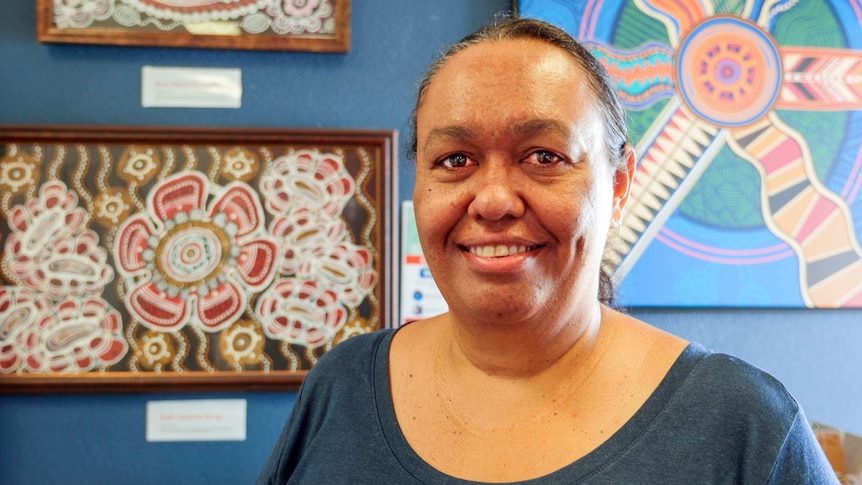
[(242, 344), (192, 253), (728, 71), (155, 349)]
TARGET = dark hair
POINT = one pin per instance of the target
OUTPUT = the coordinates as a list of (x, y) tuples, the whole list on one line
[(613, 114)]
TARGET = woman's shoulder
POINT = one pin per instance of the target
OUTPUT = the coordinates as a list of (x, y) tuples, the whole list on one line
[(693, 372), (727, 382)]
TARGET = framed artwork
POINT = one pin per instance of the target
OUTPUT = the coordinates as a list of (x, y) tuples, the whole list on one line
[(180, 258), (747, 121), (298, 25)]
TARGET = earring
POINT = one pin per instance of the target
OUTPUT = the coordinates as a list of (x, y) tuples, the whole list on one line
[(614, 229)]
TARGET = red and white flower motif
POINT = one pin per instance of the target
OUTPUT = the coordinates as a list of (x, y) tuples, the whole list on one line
[(76, 337), (301, 312), (298, 16), (304, 235), (307, 178), (20, 310), (183, 260), (347, 268), (54, 214), (197, 10), (299, 8), (81, 13), (307, 191), (51, 250)]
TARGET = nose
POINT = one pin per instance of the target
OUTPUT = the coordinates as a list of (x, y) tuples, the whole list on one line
[(497, 193)]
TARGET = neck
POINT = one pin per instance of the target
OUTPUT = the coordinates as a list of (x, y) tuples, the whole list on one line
[(524, 349)]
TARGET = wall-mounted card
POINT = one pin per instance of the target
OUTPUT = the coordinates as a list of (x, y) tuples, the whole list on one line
[(183, 87)]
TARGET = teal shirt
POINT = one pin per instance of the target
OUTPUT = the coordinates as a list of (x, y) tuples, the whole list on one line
[(714, 419)]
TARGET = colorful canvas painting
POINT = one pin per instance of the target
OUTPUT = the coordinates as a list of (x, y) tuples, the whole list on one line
[(133, 256), (747, 121)]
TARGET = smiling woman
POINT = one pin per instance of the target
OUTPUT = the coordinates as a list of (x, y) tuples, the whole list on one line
[(522, 173), (525, 168)]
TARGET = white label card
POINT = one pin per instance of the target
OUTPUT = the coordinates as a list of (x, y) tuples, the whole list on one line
[(196, 420), (185, 87), (420, 297)]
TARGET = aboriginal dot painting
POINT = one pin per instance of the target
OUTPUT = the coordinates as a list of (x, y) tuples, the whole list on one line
[(198, 255), (250, 16), (312, 25), (747, 121)]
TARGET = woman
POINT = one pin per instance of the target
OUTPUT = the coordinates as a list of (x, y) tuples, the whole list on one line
[(522, 170)]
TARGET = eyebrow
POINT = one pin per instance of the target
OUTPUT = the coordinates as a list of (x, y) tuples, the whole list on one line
[(536, 126), (524, 128), (454, 132)]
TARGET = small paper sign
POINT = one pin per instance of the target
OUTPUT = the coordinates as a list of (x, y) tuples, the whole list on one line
[(196, 420), (180, 87), (420, 297)]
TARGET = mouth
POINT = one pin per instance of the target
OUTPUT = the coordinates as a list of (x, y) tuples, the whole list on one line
[(498, 250)]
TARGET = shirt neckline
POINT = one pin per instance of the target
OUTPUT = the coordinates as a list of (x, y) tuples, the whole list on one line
[(592, 462)]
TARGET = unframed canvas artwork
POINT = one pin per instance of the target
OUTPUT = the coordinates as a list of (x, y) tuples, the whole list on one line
[(747, 119)]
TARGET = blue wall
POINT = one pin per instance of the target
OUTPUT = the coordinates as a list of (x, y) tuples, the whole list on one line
[(100, 438)]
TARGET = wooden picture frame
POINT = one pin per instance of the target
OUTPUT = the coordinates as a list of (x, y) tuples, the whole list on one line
[(309, 25), (145, 259)]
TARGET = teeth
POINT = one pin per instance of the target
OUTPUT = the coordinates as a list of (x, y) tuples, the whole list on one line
[(497, 251)]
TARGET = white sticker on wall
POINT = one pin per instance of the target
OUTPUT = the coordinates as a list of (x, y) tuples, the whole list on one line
[(184, 87), (196, 420)]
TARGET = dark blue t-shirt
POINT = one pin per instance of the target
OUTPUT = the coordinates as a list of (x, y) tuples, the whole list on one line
[(713, 420)]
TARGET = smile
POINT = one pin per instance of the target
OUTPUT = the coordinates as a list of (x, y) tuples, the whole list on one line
[(498, 251)]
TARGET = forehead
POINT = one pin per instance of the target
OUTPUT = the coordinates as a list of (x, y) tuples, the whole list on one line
[(506, 81), (490, 52)]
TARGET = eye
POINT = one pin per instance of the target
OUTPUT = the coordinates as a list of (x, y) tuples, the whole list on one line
[(545, 157), (455, 160)]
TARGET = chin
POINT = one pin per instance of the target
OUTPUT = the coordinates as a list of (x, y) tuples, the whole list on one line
[(499, 307)]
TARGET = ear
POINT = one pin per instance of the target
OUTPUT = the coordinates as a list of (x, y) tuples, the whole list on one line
[(623, 178)]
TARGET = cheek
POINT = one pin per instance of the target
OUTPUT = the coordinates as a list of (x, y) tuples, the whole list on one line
[(577, 215), (438, 208), (423, 196), (426, 208), (435, 201)]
